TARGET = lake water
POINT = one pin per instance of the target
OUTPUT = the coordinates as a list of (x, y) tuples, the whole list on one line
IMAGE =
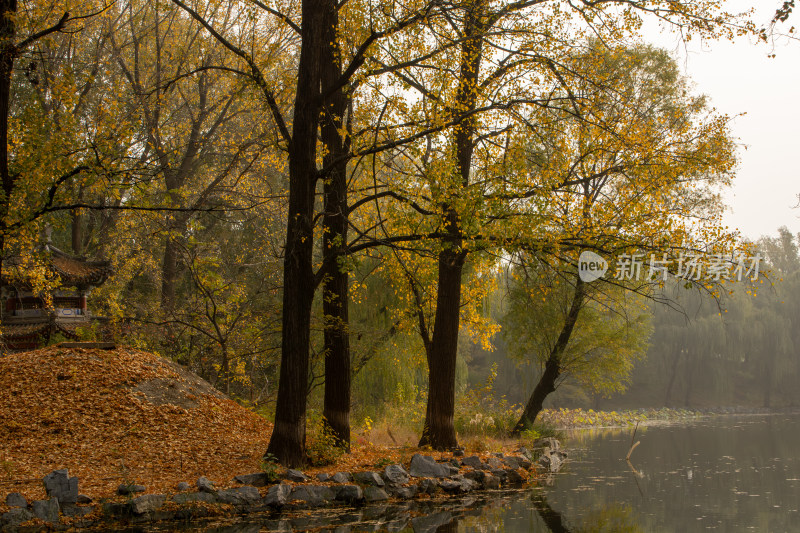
[(722, 474), (725, 474)]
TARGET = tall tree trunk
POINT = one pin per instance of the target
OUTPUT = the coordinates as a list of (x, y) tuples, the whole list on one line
[(8, 31), (552, 368), (287, 443), (169, 274), (335, 288), (439, 431)]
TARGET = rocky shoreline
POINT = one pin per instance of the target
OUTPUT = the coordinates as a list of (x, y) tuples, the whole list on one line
[(257, 494)]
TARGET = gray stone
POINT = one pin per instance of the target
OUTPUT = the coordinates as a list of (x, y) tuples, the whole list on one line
[(258, 479), (183, 486), (368, 478), (313, 495), (500, 474), (46, 510), (495, 463), (239, 495), (425, 466), (402, 492), (342, 477), (71, 509), (375, 494), (546, 442), (15, 499), (552, 460), (15, 517), (58, 484), (129, 488), (490, 482), (476, 475), (396, 474), (473, 461), (513, 477), (427, 486), (205, 485), (278, 495), (83, 498), (458, 485), (512, 462), (323, 478), (458, 452), (349, 493), (147, 503), (296, 476), (187, 497), (525, 452)]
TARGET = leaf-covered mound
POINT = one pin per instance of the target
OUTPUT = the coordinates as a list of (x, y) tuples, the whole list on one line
[(114, 416)]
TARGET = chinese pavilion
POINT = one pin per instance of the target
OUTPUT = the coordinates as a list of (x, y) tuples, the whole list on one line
[(27, 322)]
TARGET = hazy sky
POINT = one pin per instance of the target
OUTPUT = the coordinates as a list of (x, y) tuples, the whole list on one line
[(739, 77)]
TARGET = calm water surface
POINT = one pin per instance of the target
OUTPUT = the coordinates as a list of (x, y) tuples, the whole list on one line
[(725, 474)]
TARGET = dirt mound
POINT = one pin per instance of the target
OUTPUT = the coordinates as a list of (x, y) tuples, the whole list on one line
[(114, 416)]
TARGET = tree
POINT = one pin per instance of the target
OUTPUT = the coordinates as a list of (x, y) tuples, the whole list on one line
[(638, 162)]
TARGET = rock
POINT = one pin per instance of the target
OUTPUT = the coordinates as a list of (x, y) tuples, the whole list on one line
[(349, 494), (476, 475), (15, 499), (473, 461), (129, 488), (84, 499), (258, 479), (278, 495), (458, 485), (187, 497), (323, 478), (495, 463), (512, 462), (239, 495), (342, 477), (513, 477), (546, 442), (396, 475), (499, 474), (205, 485), (14, 517), (296, 476), (71, 509), (404, 493), (375, 494), (427, 486), (313, 495), (147, 503), (458, 452), (524, 463), (183, 486), (425, 466), (46, 510), (524, 452), (491, 482), (368, 478), (58, 484), (552, 460)]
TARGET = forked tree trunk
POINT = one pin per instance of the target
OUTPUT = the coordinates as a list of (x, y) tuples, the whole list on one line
[(287, 443), (552, 368), (335, 288)]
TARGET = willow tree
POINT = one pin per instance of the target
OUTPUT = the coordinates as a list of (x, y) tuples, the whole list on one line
[(640, 163)]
